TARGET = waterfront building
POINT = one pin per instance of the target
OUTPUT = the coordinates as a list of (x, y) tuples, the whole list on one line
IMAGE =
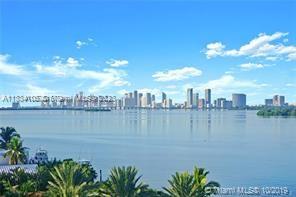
[(268, 102), (278, 100), (148, 99), (153, 98), (189, 98), (239, 101), (195, 100), (201, 103), (163, 97), (140, 100), (168, 103), (226, 104), (80, 99), (15, 105), (219, 103), (208, 98), (118, 104), (136, 99)]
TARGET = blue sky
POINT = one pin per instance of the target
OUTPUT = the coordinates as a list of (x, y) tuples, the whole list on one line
[(109, 47)]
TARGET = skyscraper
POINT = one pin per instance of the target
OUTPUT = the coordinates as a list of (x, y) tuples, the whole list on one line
[(148, 100), (208, 98), (140, 100), (153, 98), (219, 102), (136, 98), (201, 103), (189, 97), (163, 97), (239, 100), (195, 100), (278, 100)]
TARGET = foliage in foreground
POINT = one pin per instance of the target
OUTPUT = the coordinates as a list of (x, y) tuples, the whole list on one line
[(123, 181), (191, 185), (70, 179), (5, 136)]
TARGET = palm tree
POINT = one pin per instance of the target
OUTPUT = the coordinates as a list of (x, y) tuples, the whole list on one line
[(204, 188), (182, 185), (6, 135), (191, 185), (123, 182), (15, 151), (70, 180)]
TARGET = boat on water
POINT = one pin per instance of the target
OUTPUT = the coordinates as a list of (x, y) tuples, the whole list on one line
[(97, 109), (40, 157)]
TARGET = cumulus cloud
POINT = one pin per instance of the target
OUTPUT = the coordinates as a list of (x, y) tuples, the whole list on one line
[(177, 74), (291, 85), (252, 66), (8, 68), (226, 83), (117, 63), (72, 62), (81, 43), (37, 91), (263, 45), (71, 68)]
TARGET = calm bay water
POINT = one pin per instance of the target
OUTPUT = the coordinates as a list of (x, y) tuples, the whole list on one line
[(237, 147)]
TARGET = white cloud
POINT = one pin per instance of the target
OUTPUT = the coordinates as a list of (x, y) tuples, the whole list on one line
[(291, 85), (10, 68), (80, 43), (177, 74), (72, 62), (117, 63), (71, 68), (227, 83), (155, 91), (171, 87), (122, 92), (37, 91), (252, 66), (262, 46)]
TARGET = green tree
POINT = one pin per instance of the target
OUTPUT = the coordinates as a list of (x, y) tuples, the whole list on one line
[(123, 182), (18, 183), (191, 185), (6, 135), (204, 188), (182, 185), (70, 180), (15, 151)]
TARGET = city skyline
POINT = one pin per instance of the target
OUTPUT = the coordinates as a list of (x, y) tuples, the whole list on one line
[(108, 51), (137, 99)]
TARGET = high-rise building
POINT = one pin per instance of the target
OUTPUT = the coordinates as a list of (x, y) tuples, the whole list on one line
[(282, 100), (268, 102), (163, 97), (219, 102), (148, 99), (239, 101), (189, 98), (226, 104), (201, 103), (278, 100), (140, 99), (153, 97), (195, 100), (135, 96), (208, 98)]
